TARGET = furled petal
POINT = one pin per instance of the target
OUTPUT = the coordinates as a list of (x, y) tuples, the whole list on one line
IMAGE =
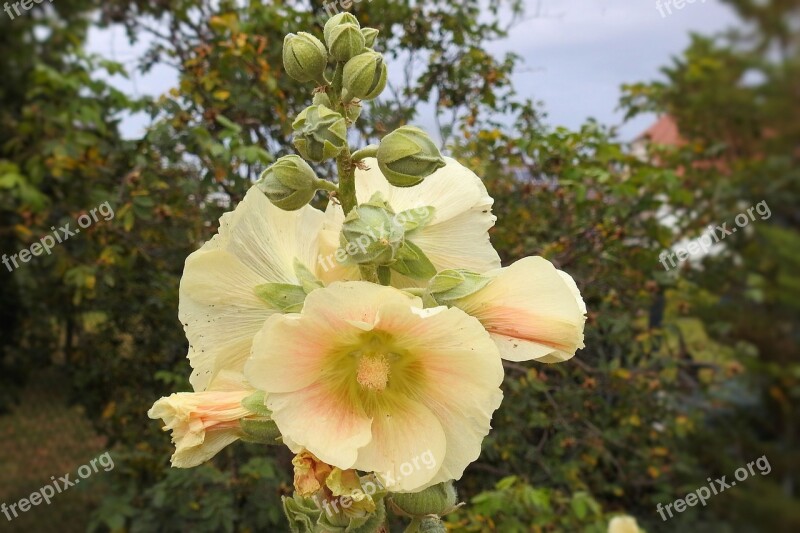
[(203, 423), (257, 243), (532, 311)]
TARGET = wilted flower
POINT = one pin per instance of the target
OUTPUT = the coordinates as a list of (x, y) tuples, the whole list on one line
[(203, 423), (531, 310), (375, 380), (257, 243)]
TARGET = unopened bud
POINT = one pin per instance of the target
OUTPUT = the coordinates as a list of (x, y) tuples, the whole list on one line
[(436, 500), (369, 36), (346, 41), (408, 155), (364, 76), (304, 57), (290, 183), (319, 133), (336, 20)]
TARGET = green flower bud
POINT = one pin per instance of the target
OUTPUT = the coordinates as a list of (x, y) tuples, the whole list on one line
[(407, 156), (346, 41), (336, 20), (432, 525), (322, 98), (304, 57), (450, 285), (371, 234), (436, 500), (364, 76), (369, 36), (319, 133), (289, 183)]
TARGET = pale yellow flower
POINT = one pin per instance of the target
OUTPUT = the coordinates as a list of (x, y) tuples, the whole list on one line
[(623, 524), (257, 243), (531, 310), (456, 237), (203, 423), (365, 378)]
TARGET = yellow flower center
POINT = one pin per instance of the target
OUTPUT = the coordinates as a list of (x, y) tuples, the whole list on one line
[(373, 372)]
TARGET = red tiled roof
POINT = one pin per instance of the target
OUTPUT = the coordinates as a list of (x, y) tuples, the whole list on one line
[(664, 131)]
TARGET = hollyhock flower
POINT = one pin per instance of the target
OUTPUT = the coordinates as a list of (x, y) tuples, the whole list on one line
[(531, 310), (257, 243), (456, 237), (365, 378), (623, 524), (203, 423)]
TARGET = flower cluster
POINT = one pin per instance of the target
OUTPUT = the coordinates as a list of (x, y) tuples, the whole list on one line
[(395, 352)]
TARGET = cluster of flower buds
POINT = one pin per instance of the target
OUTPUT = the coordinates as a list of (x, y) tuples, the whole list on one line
[(346, 70)]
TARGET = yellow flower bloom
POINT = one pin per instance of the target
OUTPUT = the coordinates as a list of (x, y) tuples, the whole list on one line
[(623, 524), (257, 243), (365, 378), (531, 310), (456, 237), (203, 423)]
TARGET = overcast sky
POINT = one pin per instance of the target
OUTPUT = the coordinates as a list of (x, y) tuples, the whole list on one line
[(577, 55)]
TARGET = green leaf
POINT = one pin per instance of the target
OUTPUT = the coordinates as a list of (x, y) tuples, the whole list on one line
[(283, 296)]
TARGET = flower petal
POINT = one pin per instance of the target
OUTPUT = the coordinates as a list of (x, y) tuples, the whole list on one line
[(325, 424), (257, 243), (532, 311)]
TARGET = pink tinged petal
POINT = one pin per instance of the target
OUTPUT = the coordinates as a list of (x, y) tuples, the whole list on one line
[(403, 434), (327, 424), (531, 310), (462, 373)]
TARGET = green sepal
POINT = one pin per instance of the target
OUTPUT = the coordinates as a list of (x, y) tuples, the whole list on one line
[(384, 275), (283, 296), (416, 218), (450, 285), (260, 431), (307, 279), (255, 404), (302, 513), (412, 262)]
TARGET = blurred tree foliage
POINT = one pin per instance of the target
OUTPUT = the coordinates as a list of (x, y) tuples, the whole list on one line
[(686, 374)]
